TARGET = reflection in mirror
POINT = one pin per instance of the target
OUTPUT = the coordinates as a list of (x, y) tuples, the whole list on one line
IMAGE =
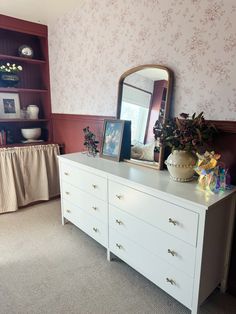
[(143, 98)]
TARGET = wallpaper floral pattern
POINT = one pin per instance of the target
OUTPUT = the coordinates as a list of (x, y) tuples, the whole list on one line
[(92, 45)]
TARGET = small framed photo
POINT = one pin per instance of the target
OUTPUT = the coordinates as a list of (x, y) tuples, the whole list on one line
[(9, 106), (116, 141)]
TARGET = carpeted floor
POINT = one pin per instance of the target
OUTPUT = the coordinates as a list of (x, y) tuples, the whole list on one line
[(53, 269)]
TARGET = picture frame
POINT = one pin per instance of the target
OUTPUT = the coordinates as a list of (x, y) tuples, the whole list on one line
[(9, 106), (116, 140)]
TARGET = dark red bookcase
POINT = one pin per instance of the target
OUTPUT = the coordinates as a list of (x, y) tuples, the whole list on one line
[(34, 85)]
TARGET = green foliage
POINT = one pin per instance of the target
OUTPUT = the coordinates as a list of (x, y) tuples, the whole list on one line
[(184, 133)]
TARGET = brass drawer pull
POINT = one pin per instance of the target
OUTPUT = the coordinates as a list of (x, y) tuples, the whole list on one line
[(171, 281), (67, 193), (94, 208), (173, 253), (68, 211), (95, 229), (119, 222), (66, 173), (119, 246), (172, 221), (94, 186), (118, 196)]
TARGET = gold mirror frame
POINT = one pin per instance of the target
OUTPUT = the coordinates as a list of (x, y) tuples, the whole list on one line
[(153, 164)]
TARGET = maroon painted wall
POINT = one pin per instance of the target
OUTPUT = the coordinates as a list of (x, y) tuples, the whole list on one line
[(68, 130)]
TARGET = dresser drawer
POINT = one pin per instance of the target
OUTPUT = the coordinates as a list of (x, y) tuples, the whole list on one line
[(90, 225), (176, 283), (176, 220), (86, 181), (165, 246), (71, 212), (85, 201), (97, 230)]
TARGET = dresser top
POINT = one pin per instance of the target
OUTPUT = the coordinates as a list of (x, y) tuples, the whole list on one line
[(148, 180)]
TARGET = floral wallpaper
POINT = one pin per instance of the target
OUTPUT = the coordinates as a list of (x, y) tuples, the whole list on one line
[(92, 45)]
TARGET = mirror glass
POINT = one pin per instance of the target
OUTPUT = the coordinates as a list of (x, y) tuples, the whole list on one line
[(143, 98)]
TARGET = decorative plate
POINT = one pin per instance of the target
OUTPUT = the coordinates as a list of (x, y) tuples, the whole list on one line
[(25, 51)]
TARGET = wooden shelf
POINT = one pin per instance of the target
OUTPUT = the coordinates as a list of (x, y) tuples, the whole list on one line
[(21, 59), (23, 120), (21, 90)]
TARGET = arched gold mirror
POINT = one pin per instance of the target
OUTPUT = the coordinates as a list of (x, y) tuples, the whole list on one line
[(144, 97)]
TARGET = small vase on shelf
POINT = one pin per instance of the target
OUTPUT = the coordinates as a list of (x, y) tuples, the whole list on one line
[(33, 112)]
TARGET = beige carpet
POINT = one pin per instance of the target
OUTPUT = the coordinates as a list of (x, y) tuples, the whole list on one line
[(53, 269)]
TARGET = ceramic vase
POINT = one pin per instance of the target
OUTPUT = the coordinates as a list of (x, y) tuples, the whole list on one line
[(33, 111), (180, 165)]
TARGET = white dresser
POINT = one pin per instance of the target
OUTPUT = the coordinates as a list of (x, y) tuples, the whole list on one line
[(174, 234)]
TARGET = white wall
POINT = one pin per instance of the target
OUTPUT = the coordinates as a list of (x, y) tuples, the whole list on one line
[(91, 46)]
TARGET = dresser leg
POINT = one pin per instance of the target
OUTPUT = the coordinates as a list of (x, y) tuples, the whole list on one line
[(195, 305), (223, 286), (194, 311), (63, 220), (108, 255)]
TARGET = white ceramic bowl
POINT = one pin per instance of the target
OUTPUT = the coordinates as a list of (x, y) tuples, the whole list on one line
[(31, 134)]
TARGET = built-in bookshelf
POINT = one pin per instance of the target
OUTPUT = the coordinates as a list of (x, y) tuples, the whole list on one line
[(34, 85)]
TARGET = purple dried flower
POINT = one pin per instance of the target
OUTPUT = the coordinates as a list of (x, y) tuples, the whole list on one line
[(90, 142)]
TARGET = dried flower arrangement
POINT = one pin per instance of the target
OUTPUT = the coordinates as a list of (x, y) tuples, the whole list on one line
[(90, 142), (184, 133)]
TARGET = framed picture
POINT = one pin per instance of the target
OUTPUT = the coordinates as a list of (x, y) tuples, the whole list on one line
[(9, 106), (116, 141)]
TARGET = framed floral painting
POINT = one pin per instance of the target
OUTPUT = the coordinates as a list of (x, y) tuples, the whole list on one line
[(116, 141)]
